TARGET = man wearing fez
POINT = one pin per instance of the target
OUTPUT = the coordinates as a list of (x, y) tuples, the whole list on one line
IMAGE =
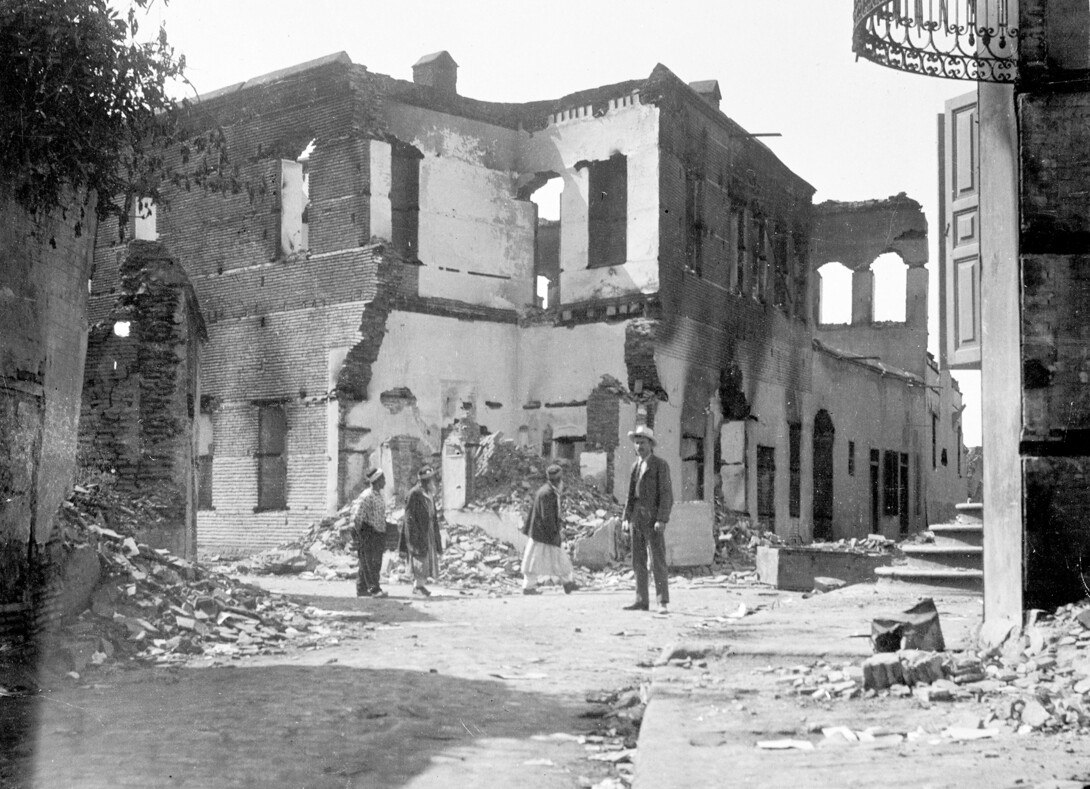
[(369, 522), (544, 555), (421, 540), (646, 512)]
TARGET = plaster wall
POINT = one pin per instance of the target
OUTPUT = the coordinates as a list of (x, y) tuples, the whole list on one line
[(629, 128), (433, 357), (875, 412), (562, 365), (467, 193)]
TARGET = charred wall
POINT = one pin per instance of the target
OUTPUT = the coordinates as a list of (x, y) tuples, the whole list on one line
[(141, 392)]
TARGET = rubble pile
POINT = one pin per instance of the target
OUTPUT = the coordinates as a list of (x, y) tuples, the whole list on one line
[(506, 477), (152, 605), (1038, 681), (327, 551)]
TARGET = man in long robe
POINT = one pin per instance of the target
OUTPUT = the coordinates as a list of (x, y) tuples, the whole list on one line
[(420, 539), (544, 555)]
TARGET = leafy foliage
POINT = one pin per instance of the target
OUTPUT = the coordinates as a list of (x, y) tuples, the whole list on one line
[(83, 103)]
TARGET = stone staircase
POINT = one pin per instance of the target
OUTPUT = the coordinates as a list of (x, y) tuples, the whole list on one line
[(954, 561)]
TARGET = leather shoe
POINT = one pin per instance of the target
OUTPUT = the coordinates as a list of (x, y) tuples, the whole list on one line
[(530, 591), (636, 607), (570, 587), (420, 590), (379, 593)]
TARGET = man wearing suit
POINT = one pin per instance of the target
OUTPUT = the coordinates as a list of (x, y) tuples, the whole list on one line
[(646, 513)]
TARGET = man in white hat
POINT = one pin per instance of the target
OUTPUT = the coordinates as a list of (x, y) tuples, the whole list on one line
[(368, 515), (646, 513)]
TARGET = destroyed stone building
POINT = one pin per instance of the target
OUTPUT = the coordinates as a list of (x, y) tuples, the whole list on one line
[(373, 273)]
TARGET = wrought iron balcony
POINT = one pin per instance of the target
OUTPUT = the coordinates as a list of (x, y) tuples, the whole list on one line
[(957, 39)]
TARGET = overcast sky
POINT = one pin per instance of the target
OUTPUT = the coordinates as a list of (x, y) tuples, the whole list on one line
[(854, 130)]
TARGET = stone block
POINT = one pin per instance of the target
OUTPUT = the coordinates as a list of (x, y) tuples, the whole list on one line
[(795, 568), (690, 541), (599, 549)]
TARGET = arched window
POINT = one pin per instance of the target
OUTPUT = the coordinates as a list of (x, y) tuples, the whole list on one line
[(890, 288), (835, 294)]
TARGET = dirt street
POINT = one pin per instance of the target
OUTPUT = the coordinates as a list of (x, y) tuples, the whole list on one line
[(446, 692), (458, 691)]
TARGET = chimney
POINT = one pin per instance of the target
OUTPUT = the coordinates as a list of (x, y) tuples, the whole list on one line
[(708, 89), (437, 70)]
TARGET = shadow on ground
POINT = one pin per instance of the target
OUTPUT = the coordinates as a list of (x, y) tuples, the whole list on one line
[(273, 726)]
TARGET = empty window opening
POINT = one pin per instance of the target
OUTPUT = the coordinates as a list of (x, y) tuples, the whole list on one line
[(875, 490), (890, 288), (545, 191), (144, 216), (547, 442), (405, 200), (903, 492), (891, 483), (780, 268), (835, 294), (823, 439), (295, 202), (738, 264), (794, 494), (934, 439), (851, 458), (692, 458), (204, 461), (607, 212), (766, 487), (569, 448), (272, 468), (122, 328), (943, 459), (694, 222)]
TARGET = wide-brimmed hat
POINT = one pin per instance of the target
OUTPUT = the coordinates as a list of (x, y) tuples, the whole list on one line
[(374, 475), (642, 431), (425, 473)]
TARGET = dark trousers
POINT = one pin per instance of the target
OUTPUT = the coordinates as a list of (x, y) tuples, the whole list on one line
[(371, 545), (644, 537)]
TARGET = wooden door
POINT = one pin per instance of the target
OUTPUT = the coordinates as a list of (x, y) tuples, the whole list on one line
[(959, 252)]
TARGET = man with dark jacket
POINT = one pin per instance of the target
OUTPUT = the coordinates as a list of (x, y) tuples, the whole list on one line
[(420, 539), (544, 555), (646, 513)]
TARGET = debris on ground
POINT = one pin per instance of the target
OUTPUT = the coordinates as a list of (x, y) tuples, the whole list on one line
[(154, 606), (1037, 681)]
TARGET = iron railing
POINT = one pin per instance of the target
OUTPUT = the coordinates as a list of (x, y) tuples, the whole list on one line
[(957, 39)]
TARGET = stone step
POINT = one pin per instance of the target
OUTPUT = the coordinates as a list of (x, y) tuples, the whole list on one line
[(970, 511), (967, 557), (954, 534), (965, 580)]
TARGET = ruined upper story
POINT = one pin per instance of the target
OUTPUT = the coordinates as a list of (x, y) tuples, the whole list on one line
[(880, 248), (659, 187)]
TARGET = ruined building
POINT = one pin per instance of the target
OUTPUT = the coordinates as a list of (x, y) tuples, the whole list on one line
[(368, 267)]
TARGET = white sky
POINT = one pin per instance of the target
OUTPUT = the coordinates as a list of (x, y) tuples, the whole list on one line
[(854, 130)]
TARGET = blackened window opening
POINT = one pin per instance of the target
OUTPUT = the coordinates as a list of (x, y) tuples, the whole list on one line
[(891, 494), (766, 482), (272, 467), (405, 201), (694, 222), (795, 465), (607, 214)]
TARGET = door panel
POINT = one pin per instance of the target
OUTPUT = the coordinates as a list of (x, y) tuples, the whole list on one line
[(959, 252)]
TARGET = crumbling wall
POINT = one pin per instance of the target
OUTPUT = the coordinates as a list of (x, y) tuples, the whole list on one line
[(44, 267), (855, 234), (141, 393)]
